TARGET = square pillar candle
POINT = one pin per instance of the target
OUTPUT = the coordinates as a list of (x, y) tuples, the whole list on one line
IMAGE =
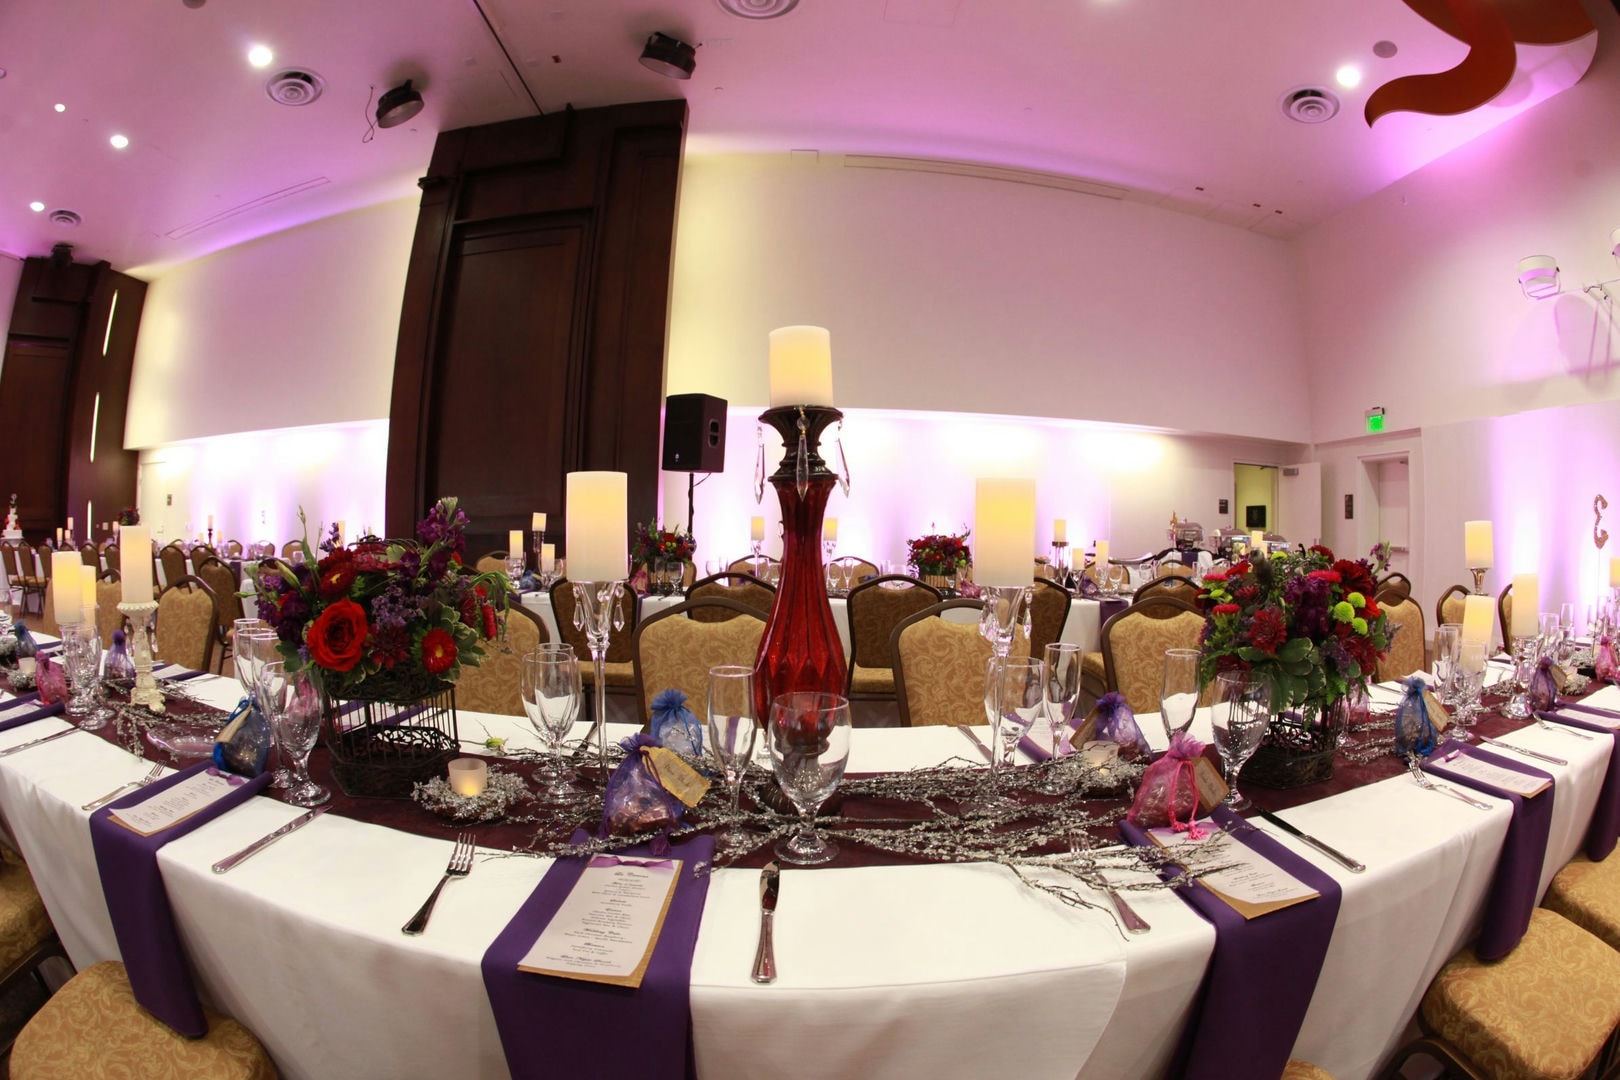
[(1004, 532), (596, 531)]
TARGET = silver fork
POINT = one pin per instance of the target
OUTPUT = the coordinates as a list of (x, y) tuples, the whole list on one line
[(1545, 726), (460, 866), (155, 773), (1127, 914), (1423, 781)]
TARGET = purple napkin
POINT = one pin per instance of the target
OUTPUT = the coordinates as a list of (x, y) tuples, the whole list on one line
[(1605, 828), (139, 906), (551, 1026), (1251, 1005), (1592, 709), (1518, 871), (26, 709)]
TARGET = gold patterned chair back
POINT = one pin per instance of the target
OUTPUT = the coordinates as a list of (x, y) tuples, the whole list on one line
[(109, 591), (185, 623), (233, 549), (201, 552), (173, 561), (1174, 568), (735, 585), (290, 547), (47, 615), (1134, 643), (1504, 616), (43, 553), (495, 685), (620, 646), (227, 604), (1451, 604), (875, 608), (112, 555), (674, 650), (1049, 610), (489, 564), (765, 568), (89, 555), (855, 568), (1406, 652), (1179, 586), (940, 666)]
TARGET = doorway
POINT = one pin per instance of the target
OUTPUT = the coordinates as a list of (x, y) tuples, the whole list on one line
[(1254, 503), (1387, 493)]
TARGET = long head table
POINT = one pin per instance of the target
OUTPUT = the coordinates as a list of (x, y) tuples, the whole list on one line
[(893, 971)]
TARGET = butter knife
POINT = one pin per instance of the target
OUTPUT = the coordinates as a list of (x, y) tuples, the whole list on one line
[(973, 737), (1538, 755), (1333, 853), (36, 742), (765, 956), (269, 838)]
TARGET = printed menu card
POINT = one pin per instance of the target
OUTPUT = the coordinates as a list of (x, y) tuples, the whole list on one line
[(607, 928), (175, 803), (1251, 884)]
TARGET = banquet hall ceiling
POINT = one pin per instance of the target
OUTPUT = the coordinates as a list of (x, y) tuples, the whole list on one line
[(1176, 102)]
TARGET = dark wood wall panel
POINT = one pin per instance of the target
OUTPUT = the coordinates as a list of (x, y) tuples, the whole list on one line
[(33, 403), (532, 333)]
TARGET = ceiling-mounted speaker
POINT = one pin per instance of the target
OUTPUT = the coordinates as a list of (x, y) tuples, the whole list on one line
[(669, 56), (694, 433), (398, 105)]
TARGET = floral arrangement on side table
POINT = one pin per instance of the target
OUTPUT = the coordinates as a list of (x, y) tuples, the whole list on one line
[(656, 542), (939, 554)]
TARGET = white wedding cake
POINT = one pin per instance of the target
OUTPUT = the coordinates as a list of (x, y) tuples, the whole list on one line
[(13, 531)]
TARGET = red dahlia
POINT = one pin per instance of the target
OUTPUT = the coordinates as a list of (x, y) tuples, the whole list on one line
[(438, 651)]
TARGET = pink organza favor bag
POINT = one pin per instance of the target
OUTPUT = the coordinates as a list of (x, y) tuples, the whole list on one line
[(1169, 791)]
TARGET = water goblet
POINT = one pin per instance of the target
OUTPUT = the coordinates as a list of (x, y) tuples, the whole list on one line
[(809, 743), (297, 728), (1548, 634), (1239, 719), (1178, 694), (732, 722), (550, 688), (1470, 680), (1016, 686), (255, 649)]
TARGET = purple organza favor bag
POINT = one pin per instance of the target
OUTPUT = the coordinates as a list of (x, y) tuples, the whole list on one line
[(1116, 723), (1169, 791), (636, 802), (1544, 686), (51, 679), (1604, 664)]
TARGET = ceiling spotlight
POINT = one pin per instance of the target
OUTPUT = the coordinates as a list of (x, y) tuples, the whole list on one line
[(37, 207), (59, 107), (398, 105), (1348, 76), (669, 56), (260, 56), (119, 141)]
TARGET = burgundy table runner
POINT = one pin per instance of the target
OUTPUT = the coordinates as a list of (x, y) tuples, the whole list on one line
[(1251, 1005)]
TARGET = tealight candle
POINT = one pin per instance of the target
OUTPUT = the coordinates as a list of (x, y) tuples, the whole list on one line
[(801, 366), (756, 529), (1479, 549), (1060, 531), (1526, 606), (468, 775), (135, 564), (1004, 532), (67, 595), (829, 529)]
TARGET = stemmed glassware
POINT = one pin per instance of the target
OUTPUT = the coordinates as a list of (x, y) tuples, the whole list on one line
[(295, 711), (1447, 639), (1470, 681), (1178, 695), (81, 657), (552, 698), (1525, 650), (732, 723), (1566, 633), (1241, 714), (254, 649), (808, 738), (1061, 694), (1022, 694)]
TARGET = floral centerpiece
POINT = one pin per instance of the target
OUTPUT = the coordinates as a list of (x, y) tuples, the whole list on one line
[(939, 554), (656, 542)]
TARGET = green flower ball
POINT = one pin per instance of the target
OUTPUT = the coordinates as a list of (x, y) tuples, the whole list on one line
[(1357, 599), (1344, 611), (1359, 625)]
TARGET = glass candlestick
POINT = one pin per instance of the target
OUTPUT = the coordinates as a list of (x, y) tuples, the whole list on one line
[(145, 692), (597, 611)]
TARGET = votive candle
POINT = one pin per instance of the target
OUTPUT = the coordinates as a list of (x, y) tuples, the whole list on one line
[(1479, 545), (801, 366), (1004, 532), (595, 530), (1526, 606), (135, 564), (468, 775), (548, 557)]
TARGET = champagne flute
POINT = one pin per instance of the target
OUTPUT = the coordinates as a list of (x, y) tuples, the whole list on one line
[(1239, 718), (272, 693), (1566, 632), (550, 688), (254, 650), (1021, 696), (809, 744), (1061, 700), (732, 723), (1446, 641), (1178, 694)]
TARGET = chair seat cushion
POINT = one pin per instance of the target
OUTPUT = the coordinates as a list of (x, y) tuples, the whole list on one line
[(93, 1028), (871, 680), (23, 921), (1304, 1070), (1588, 895), (1542, 1011)]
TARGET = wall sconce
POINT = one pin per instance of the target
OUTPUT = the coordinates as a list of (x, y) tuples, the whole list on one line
[(1538, 275)]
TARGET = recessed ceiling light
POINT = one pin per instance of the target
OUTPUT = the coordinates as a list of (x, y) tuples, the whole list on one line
[(59, 107), (119, 141), (37, 207), (1348, 76), (260, 56)]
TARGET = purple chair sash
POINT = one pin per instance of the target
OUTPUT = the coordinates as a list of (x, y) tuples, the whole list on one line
[(1605, 828), (1512, 897), (1250, 1007), (553, 1026), (142, 919)]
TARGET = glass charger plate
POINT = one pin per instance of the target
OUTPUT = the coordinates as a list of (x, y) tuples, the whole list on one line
[(183, 741)]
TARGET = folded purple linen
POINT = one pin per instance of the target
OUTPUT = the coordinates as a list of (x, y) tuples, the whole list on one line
[(1038, 752), (552, 1026), (1512, 895), (1604, 830), (141, 916), (1250, 1007), (1592, 709), (26, 709)]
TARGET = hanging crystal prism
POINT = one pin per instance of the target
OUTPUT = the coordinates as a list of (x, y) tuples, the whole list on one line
[(843, 464), (759, 465), (801, 469)]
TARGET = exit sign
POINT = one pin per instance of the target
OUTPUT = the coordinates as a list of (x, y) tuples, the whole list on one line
[(1375, 421)]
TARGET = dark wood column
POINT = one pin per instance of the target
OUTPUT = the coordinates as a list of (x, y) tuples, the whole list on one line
[(531, 340)]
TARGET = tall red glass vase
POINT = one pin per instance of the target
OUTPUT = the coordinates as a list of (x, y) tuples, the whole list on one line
[(800, 650)]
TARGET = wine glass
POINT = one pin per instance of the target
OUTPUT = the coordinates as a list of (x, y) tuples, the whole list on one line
[(1548, 634), (271, 694), (1470, 685), (255, 649), (1566, 632), (809, 744), (550, 688), (297, 727), (732, 723), (1446, 642), (1061, 700), (1020, 694), (1241, 714), (1178, 694)]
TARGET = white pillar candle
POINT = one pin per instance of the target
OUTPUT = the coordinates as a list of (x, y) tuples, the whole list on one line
[(135, 564), (829, 529), (1614, 573), (87, 580), (70, 525), (118, 530), (537, 522), (1102, 556), (801, 366), (1060, 531), (59, 536), (1004, 532), (210, 521), (1479, 546), (514, 542), (468, 775), (1477, 614), (595, 530), (756, 529), (1526, 606), (548, 557), (67, 595)]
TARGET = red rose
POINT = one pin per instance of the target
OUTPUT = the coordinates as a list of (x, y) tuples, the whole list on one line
[(336, 574), (337, 635), (438, 651), (1226, 609), (1240, 569), (1356, 577)]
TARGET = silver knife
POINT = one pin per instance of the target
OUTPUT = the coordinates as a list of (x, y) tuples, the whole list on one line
[(765, 956), (269, 838), (973, 737), (1333, 853), (36, 742), (1538, 755)]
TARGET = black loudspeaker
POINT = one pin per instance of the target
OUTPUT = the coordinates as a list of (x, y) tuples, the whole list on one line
[(694, 433)]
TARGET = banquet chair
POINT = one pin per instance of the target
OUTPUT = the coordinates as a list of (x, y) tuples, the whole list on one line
[(92, 1029), (1408, 647), (1304, 1070), (735, 585), (109, 591), (1134, 643), (674, 650), (495, 685), (227, 605), (185, 623), (90, 555), (1396, 585), (290, 548), (1179, 586), (492, 562), (1504, 616), (42, 560), (1544, 1011), (233, 549), (875, 608), (764, 567), (199, 552), (1587, 893), (19, 559), (940, 666), (173, 561), (855, 568), (47, 614), (619, 673), (1449, 608), (1048, 611), (1174, 567), (111, 555), (27, 938)]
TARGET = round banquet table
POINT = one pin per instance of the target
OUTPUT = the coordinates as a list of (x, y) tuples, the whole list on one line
[(942, 971)]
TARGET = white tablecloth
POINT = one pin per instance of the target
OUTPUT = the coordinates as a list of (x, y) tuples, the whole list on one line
[(940, 971)]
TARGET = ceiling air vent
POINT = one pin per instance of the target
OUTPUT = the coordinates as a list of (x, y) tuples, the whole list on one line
[(293, 86), (757, 9), (65, 217), (1310, 105)]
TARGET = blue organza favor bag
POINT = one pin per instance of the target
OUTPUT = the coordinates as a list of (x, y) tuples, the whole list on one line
[(1416, 731), (674, 726)]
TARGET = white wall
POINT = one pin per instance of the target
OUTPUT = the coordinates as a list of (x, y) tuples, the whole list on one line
[(953, 293), (293, 329)]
